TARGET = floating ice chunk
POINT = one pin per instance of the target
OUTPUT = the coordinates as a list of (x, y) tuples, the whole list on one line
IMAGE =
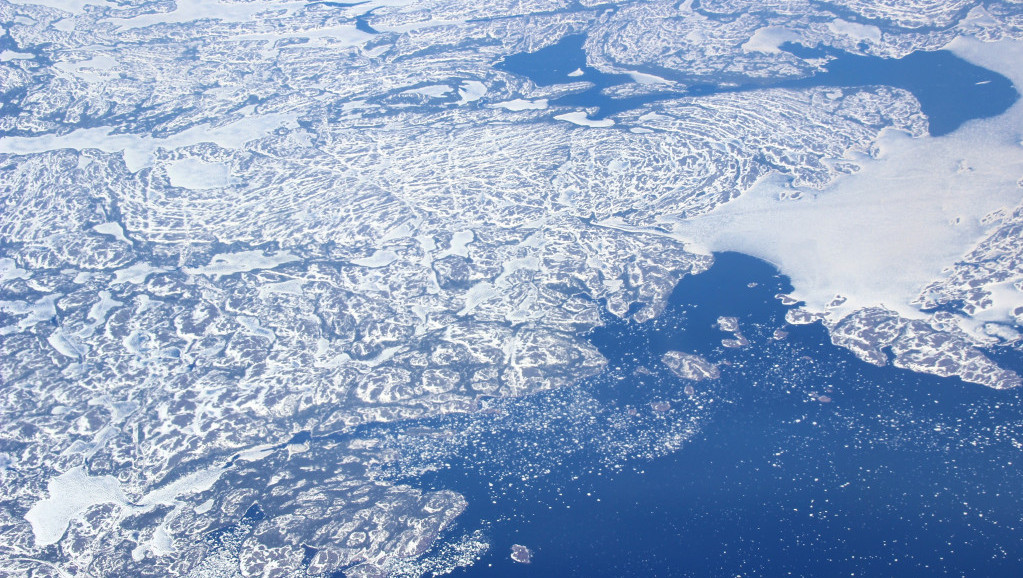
[(471, 91), (519, 104), (197, 174), (580, 118), (576, 72), (71, 494), (380, 258), (521, 554), (769, 40), (690, 366), (240, 262)]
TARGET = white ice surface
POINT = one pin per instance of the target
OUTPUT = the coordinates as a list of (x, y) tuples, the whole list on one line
[(471, 91), (855, 30), (432, 91), (478, 293), (9, 55), (191, 10), (43, 309), (98, 311), (459, 244), (99, 68), (71, 494), (195, 482), (240, 262), (115, 230), (251, 326), (580, 118), (72, 6), (644, 78), (67, 344), (379, 258), (519, 104), (291, 287), (10, 271), (769, 39), (415, 25), (138, 150), (880, 235), (338, 36), (196, 174), (74, 492), (135, 274)]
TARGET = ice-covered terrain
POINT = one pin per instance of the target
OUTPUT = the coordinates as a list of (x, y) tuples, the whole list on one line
[(889, 234), (228, 228)]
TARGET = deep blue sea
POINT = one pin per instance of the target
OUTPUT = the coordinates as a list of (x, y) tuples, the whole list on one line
[(800, 460), (898, 474), (950, 90)]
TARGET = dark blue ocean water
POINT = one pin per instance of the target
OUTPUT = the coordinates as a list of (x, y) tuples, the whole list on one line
[(898, 473), (950, 90)]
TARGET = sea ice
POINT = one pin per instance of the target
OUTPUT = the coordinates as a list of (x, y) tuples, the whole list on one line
[(878, 236)]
